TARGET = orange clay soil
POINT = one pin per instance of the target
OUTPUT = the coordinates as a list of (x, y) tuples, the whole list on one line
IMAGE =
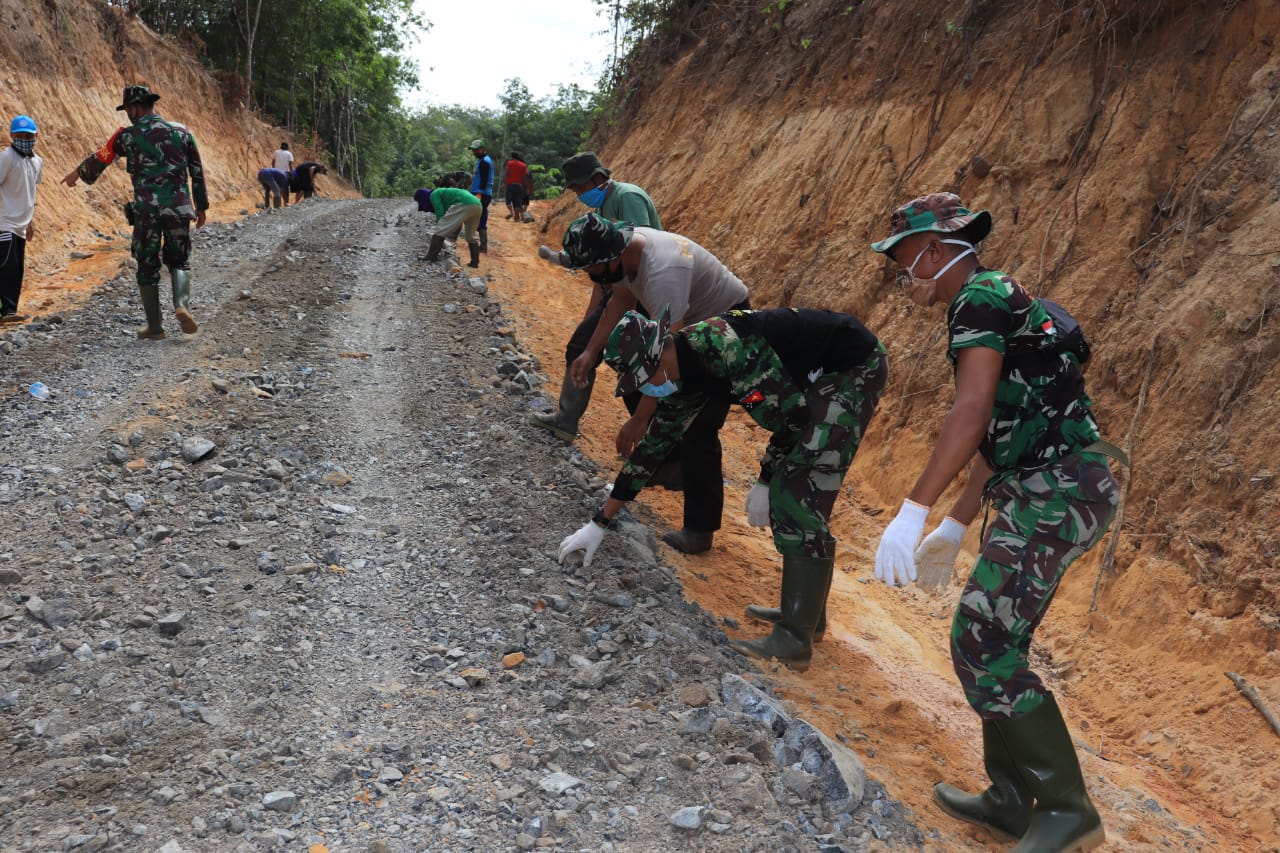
[(882, 680)]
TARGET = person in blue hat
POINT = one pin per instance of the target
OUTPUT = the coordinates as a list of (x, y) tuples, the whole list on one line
[(20, 169)]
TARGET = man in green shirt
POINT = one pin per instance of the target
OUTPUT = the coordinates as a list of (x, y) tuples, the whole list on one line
[(456, 210)]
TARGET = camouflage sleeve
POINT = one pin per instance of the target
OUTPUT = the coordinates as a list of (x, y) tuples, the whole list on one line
[(195, 168), (758, 382), (96, 163), (669, 424), (979, 317), (792, 417)]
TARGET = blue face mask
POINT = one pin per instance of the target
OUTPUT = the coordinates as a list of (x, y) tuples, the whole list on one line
[(593, 197), (666, 389)]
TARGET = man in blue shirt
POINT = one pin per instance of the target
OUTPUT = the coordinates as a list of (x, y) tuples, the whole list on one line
[(275, 187), (482, 188)]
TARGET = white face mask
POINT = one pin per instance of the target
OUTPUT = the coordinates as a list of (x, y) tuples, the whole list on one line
[(924, 291)]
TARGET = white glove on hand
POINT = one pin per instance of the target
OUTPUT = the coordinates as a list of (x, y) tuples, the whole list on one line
[(936, 556), (895, 561), (758, 505), (586, 540), (549, 254)]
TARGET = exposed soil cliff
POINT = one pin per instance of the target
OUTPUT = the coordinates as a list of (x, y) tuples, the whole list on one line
[(1130, 164), (1129, 155), (65, 63)]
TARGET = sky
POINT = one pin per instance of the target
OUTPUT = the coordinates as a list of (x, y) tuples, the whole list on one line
[(546, 43)]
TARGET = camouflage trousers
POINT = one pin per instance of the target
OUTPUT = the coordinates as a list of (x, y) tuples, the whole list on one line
[(148, 236), (804, 486), (1045, 520)]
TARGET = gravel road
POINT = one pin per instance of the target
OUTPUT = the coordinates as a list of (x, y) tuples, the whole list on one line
[(291, 584)]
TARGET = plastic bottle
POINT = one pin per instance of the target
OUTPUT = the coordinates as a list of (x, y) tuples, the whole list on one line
[(40, 391)]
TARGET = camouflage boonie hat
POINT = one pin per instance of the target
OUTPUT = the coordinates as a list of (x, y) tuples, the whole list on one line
[(940, 212), (592, 239), (635, 347), (137, 95)]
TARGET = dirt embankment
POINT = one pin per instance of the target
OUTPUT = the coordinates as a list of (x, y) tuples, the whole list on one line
[(1130, 160), (65, 64), (1132, 175)]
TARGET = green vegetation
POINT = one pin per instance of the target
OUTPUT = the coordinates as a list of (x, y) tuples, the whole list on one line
[(434, 141), (333, 71)]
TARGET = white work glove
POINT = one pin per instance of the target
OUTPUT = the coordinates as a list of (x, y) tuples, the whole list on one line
[(586, 540), (936, 556), (758, 505), (549, 254), (895, 561)]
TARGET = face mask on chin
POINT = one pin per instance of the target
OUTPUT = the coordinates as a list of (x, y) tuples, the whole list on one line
[(611, 275), (924, 291), (593, 197)]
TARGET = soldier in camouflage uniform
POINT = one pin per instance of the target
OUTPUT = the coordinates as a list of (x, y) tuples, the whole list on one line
[(159, 155), (813, 379), (1021, 414)]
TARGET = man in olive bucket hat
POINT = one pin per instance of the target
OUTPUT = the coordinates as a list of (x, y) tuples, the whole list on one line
[(648, 267), (595, 187), (1022, 418), (812, 379)]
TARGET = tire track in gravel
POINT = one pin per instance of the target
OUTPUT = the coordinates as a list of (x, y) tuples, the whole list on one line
[(372, 534)]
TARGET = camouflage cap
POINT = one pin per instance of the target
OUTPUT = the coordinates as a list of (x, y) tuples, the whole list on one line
[(137, 95), (634, 348), (592, 239), (940, 212)]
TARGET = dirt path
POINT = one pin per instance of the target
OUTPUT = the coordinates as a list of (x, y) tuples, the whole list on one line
[(290, 584), (304, 637)]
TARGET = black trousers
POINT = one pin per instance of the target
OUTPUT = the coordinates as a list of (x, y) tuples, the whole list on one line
[(12, 265), (699, 452)]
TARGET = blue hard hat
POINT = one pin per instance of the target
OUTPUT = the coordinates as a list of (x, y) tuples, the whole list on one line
[(23, 124)]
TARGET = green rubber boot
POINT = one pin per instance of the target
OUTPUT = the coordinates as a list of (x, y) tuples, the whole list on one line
[(182, 300), (573, 403), (1005, 807), (773, 614), (1063, 819), (154, 330), (805, 581)]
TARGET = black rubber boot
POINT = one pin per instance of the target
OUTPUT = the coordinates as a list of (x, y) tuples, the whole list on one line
[(1005, 807), (475, 255), (689, 541), (484, 240), (573, 403), (433, 251), (154, 330), (773, 614), (182, 300), (1063, 818), (804, 584)]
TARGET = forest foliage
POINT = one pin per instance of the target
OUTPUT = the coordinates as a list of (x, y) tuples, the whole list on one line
[(335, 72)]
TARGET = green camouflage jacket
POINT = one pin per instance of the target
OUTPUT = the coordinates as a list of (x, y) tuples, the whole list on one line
[(1041, 410), (740, 355), (159, 155)]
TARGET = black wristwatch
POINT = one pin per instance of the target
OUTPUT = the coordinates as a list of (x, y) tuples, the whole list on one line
[(598, 518)]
